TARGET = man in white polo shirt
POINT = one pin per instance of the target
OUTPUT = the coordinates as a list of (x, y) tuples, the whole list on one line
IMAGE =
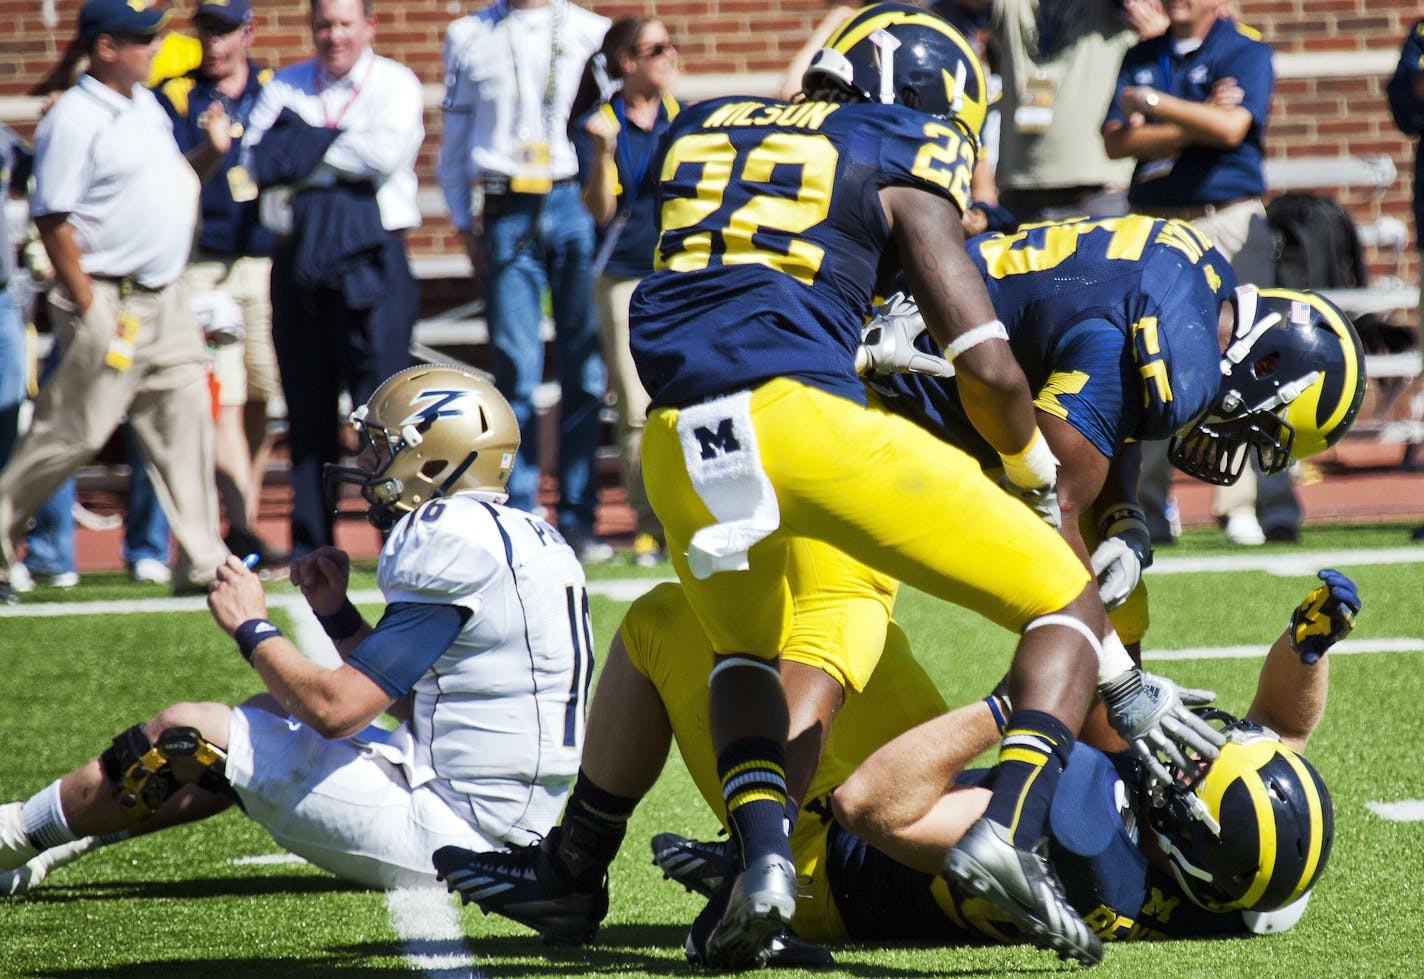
[(116, 204)]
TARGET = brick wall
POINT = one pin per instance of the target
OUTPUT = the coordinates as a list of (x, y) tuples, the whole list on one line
[(1339, 112)]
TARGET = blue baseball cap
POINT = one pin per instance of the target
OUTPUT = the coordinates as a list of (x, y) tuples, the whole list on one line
[(233, 13), (136, 17)]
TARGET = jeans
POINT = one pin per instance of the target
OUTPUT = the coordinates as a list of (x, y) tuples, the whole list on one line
[(531, 241), (51, 540), (145, 526)]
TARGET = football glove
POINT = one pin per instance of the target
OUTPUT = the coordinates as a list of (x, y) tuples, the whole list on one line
[(1042, 500), (1153, 714), (1126, 549), (887, 344), (1325, 617)]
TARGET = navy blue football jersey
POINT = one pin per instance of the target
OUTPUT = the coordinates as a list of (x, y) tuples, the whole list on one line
[(1092, 844), (772, 240), (1114, 323)]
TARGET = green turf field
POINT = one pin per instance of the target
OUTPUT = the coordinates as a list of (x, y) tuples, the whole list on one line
[(176, 904)]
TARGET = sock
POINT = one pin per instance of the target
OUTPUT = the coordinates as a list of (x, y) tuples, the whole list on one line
[(594, 824), (44, 820), (753, 774), (1032, 755)]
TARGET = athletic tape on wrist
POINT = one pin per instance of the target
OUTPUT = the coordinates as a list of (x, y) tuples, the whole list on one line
[(1035, 466), (252, 633), (344, 623), (1113, 659)]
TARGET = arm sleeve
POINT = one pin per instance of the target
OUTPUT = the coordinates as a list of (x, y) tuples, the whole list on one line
[(407, 641), (453, 169), (62, 165), (1256, 79)]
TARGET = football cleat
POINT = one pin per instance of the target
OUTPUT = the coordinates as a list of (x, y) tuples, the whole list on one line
[(759, 906), (1023, 886), (700, 867), (526, 886), (15, 846), (783, 949)]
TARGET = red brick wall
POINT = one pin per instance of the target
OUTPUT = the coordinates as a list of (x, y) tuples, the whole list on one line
[(1310, 117)]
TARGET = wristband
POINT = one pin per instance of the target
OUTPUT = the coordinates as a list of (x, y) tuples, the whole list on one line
[(251, 634), (1127, 522), (1035, 466), (343, 623), (997, 710)]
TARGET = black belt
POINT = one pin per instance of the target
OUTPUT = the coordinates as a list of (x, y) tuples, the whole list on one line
[(496, 186), (126, 283)]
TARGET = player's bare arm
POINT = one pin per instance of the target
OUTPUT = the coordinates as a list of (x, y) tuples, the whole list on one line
[(953, 301)]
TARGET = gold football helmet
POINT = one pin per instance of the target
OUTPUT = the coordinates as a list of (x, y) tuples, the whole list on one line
[(431, 431)]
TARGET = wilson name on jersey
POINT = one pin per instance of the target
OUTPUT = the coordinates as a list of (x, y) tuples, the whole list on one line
[(772, 240)]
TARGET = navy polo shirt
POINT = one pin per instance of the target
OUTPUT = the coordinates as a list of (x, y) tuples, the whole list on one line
[(1201, 174), (227, 226), (631, 255)]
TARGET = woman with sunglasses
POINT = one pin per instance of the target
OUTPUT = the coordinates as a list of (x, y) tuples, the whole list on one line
[(623, 105)]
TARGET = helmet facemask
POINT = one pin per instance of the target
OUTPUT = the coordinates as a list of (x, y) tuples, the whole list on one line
[(1259, 384)]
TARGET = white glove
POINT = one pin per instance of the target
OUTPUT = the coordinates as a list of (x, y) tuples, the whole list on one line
[(1118, 571), (1152, 715), (1125, 550), (1042, 500), (887, 344)]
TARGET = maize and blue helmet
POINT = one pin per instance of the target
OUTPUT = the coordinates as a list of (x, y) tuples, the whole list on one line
[(1253, 831), (1293, 379), (903, 54)]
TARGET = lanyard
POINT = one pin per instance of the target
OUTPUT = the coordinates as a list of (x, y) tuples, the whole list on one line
[(638, 172), (551, 83), (1164, 61), (319, 86)]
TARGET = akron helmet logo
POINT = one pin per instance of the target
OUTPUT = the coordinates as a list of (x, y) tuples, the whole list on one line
[(138, 6), (434, 403)]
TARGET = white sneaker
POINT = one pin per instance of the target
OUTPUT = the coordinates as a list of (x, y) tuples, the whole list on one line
[(150, 571), (591, 550), (20, 579), (19, 881), (15, 848), (1243, 528)]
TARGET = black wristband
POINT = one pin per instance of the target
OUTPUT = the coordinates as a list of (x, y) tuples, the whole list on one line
[(344, 623), (251, 633)]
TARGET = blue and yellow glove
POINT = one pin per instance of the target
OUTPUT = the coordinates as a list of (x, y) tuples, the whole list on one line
[(1325, 617)]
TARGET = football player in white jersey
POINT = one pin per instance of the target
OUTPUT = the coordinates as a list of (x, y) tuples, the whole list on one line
[(483, 653)]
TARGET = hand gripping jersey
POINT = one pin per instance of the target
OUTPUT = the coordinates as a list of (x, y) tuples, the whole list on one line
[(506, 699), (1114, 323), (773, 240), (1093, 845)]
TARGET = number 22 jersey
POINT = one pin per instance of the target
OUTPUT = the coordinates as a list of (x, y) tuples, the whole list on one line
[(773, 241)]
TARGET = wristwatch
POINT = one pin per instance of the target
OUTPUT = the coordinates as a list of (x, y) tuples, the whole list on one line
[(1150, 100)]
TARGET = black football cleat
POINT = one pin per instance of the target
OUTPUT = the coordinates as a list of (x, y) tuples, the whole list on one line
[(526, 886), (1023, 885), (698, 866)]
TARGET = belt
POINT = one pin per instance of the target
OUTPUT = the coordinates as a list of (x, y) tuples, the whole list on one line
[(500, 185), (1191, 212), (126, 283)]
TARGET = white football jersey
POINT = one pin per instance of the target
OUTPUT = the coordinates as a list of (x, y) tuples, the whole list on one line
[(507, 700)]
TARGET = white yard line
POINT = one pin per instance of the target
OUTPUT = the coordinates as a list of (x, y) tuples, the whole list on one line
[(429, 928)]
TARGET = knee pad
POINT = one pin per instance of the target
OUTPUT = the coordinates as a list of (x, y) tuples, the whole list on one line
[(140, 771)]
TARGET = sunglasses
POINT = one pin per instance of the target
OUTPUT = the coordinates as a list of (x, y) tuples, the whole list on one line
[(656, 50)]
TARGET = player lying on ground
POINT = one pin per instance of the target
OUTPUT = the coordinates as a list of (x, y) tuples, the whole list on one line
[(907, 795), (486, 615)]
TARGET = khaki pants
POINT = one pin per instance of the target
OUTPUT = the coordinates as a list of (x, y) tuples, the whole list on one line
[(611, 296), (163, 394)]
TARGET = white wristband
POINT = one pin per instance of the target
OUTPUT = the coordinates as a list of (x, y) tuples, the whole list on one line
[(1035, 466)]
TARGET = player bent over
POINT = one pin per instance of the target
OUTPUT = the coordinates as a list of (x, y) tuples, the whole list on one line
[(486, 614)]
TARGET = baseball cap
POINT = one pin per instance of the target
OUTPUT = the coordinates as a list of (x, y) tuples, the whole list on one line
[(233, 13), (137, 17)]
